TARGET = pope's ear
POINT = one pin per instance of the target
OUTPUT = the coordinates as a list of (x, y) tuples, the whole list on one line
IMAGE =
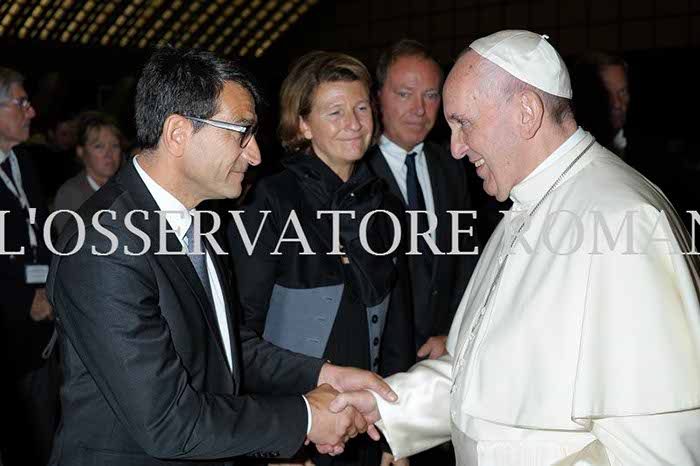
[(530, 113), (176, 135)]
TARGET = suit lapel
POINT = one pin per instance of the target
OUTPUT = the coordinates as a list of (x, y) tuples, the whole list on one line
[(130, 178)]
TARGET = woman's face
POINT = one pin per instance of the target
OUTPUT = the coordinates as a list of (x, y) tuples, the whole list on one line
[(340, 124), (101, 153)]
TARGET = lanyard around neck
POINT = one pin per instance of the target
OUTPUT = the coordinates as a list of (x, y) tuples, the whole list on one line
[(15, 187)]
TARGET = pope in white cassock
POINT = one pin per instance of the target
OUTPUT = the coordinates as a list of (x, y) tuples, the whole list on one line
[(577, 341)]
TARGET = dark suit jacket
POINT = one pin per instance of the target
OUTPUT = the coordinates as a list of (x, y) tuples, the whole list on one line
[(22, 340), (146, 377), (450, 273)]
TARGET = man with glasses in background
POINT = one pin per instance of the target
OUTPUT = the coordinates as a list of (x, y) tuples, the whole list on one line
[(29, 392)]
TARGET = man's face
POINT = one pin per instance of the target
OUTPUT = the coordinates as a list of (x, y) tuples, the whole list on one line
[(614, 78), (483, 127), (14, 119), (215, 163), (101, 153), (340, 123), (409, 99)]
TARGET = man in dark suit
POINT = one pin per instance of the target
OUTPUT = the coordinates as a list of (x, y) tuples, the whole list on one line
[(157, 368), (28, 392), (427, 178)]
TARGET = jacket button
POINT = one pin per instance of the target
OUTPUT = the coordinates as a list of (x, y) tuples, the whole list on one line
[(435, 292), (375, 319), (376, 341)]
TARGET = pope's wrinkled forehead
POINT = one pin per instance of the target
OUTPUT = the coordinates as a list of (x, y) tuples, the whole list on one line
[(464, 78)]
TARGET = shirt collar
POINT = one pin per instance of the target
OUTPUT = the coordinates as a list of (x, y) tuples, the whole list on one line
[(394, 151), (4, 155), (536, 184), (93, 184), (177, 214)]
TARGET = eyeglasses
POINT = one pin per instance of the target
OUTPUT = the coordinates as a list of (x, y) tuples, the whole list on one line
[(247, 132), (22, 102)]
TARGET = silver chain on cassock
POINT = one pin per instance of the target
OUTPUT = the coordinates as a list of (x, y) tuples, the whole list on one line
[(482, 311)]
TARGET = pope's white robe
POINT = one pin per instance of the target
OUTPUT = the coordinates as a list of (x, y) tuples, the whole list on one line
[(588, 352)]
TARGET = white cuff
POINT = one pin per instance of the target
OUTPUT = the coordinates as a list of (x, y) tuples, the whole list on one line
[(308, 411)]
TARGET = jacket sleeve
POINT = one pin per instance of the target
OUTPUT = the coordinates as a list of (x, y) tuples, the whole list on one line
[(108, 309)]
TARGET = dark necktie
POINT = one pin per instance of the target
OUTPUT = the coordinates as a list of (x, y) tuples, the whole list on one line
[(414, 193), (199, 261), (416, 201)]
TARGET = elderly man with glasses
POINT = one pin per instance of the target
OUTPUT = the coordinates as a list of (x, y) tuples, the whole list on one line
[(28, 394)]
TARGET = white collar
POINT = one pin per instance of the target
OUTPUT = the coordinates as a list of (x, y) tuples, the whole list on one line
[(93, 184), (534, 186), (393, 150), (570, 142), (4, 155), (177, 214)]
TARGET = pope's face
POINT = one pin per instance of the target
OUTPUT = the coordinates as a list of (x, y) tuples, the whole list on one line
[(614, 78), (483, 127), (410, 99)]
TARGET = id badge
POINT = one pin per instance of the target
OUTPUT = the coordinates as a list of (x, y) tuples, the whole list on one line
[(36, 274)]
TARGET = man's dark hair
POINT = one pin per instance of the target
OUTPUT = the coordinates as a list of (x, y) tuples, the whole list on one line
[(183, 82), (402, 48)]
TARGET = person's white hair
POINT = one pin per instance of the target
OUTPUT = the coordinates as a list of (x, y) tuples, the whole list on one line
[(8, 77)]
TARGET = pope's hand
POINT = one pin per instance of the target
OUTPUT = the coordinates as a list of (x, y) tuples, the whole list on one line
[(388, 460), (332, 429), (434, 348)]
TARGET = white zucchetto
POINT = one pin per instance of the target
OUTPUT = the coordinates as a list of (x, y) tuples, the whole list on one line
[(529, 57)]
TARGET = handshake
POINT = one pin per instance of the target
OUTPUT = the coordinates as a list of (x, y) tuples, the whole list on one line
[(342, 408)]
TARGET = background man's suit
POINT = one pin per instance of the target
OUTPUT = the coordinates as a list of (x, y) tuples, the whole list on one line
[(442, 287), (29, 391), (146, 372)]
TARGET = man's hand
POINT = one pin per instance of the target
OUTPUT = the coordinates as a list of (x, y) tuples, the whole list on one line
[(332, 429), (388, 460), (41, 309), (347, 379), (434, 348), (365, 404)]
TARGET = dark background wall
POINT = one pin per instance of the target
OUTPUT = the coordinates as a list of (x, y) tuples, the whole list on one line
[(659, 38)]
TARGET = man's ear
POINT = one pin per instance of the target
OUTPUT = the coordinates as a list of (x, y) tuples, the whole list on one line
[(305, 129), (176, 135), (530, 113), (80, 152)]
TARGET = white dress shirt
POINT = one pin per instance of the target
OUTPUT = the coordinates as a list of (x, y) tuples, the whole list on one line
[(395, 157), (180, 219)]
